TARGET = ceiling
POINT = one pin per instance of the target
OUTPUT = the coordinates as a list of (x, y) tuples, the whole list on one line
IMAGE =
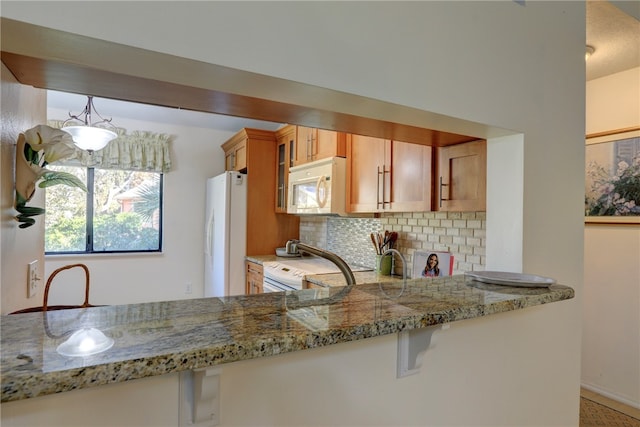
[(613, 29)]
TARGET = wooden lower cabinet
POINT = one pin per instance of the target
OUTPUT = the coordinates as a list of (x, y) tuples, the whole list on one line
[(462, 177), (254, 278)]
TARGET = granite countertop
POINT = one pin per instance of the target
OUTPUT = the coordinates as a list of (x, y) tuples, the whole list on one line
[(337, 279), (164, 337), (260, 259)]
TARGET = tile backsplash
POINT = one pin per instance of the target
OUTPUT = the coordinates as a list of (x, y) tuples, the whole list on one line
[(461, 233), (350, 238)]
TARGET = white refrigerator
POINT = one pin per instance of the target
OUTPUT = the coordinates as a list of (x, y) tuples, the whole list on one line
[(225, 235)]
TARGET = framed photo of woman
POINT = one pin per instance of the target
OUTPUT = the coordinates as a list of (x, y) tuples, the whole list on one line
[(432, 264)]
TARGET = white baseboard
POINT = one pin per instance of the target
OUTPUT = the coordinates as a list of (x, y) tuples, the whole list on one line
[(610, 395)]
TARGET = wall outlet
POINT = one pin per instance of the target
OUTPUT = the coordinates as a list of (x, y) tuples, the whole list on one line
[(188, 288), (32, 279)]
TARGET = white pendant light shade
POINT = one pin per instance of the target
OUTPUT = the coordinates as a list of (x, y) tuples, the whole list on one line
[(588, 52), (90, 138), (84, 133)]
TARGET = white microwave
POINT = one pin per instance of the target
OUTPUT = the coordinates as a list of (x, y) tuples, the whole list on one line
[(318, 187)]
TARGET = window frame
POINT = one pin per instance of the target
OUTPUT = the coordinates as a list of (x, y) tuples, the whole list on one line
[(89, 235)]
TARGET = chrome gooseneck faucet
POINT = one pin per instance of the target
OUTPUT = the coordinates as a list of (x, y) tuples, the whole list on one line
[(292, 301), (339, 262)]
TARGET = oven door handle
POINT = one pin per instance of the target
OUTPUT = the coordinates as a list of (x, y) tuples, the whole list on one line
[(270, 285)]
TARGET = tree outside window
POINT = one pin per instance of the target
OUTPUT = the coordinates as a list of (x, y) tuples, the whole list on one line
[(121, 212)]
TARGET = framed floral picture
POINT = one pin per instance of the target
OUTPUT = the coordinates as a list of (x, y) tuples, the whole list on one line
[(612, 178)]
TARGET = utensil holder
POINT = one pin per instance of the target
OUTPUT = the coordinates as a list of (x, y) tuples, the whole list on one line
[(383, 264)]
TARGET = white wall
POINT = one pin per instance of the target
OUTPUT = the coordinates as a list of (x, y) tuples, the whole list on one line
[(125, 279), (498, 63), (464, 380), (22, 108), (350, 384), (611, 330), (612, 102), (151, 402)]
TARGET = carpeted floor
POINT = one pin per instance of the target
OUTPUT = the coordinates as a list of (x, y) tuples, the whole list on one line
[(593, 414)]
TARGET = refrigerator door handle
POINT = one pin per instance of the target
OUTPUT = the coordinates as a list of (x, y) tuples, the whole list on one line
[(208, 244)]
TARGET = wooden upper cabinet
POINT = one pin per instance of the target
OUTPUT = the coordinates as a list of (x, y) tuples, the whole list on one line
[(366, 157), (236, 148), (235, 156), (462, 177), (411, 177), (387, 176), (285, 148), (266, 229), (314, 144)]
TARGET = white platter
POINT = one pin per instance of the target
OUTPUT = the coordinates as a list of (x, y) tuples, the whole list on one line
[(510, 279)]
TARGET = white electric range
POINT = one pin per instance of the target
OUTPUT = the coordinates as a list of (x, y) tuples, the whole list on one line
[(288, 274)]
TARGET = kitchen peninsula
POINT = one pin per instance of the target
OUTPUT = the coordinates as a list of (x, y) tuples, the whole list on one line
[(160, 338)]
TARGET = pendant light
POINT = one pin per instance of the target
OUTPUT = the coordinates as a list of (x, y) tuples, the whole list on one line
[(588, 52), (84, 132)]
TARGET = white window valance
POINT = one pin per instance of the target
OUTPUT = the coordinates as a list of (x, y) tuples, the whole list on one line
[(139, 150)]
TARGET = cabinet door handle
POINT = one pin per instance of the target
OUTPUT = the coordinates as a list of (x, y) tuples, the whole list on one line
[(378, 202), (309, 148), (384, 186), (442, 199)]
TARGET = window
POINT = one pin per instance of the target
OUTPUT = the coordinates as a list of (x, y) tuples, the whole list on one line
[(121, 212)]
